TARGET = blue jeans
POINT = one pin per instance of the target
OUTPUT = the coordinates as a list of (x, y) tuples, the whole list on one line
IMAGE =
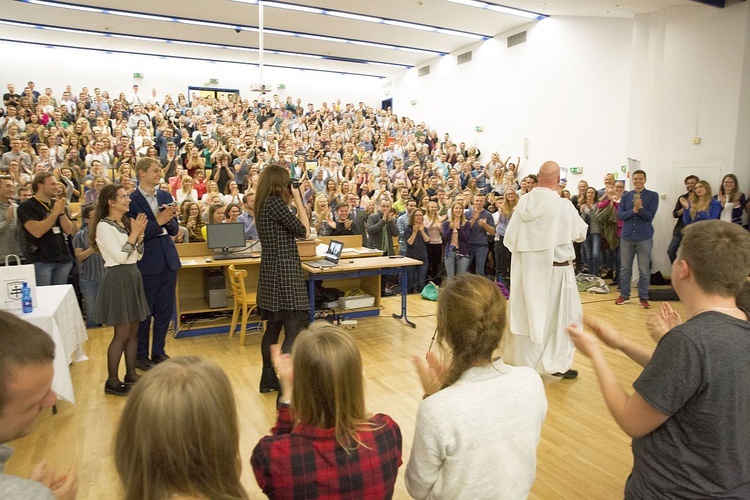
[(478, 255), (455, 263), (52, 273), (674, 245), (89, 290), (593, 248), (418, 276), (628, 250)]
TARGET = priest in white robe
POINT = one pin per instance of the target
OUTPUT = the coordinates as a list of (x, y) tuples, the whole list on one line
[(544, 297)]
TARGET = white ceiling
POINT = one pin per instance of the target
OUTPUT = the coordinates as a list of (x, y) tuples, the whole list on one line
[(340, 57)]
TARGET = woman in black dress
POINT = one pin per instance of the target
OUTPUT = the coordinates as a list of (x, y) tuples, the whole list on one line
[(282, 295)]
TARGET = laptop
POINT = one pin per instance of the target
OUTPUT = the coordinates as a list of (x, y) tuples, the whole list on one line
[(332, 256)]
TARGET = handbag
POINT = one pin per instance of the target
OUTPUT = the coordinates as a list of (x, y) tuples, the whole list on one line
[(430, 291), (12, 278)]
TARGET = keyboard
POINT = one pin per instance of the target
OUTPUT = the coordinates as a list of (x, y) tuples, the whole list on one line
[(233, 256)]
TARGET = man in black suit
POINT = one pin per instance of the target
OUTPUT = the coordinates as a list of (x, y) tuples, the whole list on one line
[(160, 261)]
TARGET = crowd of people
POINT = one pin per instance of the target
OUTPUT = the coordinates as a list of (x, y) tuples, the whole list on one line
[(151, 173)]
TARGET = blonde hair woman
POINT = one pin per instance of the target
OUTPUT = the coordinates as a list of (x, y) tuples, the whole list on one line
[(495, 411), (701, 206), (324, 444), (186, 191), (456, 231), (321, 214), (505, 208), (178, 435)]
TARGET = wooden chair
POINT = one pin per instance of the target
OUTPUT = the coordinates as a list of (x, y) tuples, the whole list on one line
[(243, 300)]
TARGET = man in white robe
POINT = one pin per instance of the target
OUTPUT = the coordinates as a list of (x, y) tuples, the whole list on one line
[(544, 297)]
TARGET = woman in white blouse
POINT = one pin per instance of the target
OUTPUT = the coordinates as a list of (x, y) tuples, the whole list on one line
[(121, 301)]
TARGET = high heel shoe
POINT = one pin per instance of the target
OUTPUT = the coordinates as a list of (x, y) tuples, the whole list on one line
[(268, 381)]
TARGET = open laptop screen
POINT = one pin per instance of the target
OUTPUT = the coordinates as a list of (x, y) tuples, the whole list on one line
[(333, 254)]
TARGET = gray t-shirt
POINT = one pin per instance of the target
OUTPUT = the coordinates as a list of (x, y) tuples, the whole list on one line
[(18, 488), (699, 376)]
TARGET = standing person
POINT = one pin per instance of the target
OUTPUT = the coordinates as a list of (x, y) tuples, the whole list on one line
[(324, 444), (26, 370), (121, 301), (8, 219), (90, 265), (159, 263), (544, 297), (456, 240), (637, 210), (502, 255), (416, 237), (701, 206), (481, 225), (163, 450), (282, 295), (45, 224), (593, 242), (452, 446), (732, 200), (381, 227), (434, 226), (248, 217), (689, 412), (679, 209)]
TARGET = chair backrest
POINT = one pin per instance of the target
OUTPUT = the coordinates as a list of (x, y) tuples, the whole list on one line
[(237, 280)]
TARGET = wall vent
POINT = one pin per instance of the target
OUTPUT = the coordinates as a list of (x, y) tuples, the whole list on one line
[(516, 39), (464, 58), (424, 70)]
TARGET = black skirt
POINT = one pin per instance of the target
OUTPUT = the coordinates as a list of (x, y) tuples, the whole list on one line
[(121, 298)]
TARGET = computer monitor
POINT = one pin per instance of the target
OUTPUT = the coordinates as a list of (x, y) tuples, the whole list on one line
[(225, 236)]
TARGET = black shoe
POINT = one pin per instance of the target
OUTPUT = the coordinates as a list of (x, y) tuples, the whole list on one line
[(159, 358), (568, 375), (268, 381), (130, 381), (116, 390), (144, 364)]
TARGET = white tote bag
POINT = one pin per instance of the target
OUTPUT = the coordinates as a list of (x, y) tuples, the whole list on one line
[(11, 281)]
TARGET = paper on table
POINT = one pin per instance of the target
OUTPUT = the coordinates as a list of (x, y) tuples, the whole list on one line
[(361, 250), (321, 250), (188, 262)]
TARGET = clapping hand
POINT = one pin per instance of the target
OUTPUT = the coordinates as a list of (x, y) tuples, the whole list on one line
[(138, 225), (659, 323), (64, 486), (282, 363), (432, 373)]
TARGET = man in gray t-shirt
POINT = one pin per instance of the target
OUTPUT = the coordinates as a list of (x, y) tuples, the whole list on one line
[(690, 412)]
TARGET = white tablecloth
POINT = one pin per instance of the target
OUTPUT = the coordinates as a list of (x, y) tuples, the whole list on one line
[(57, 313)]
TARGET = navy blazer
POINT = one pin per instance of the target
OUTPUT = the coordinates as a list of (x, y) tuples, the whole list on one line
[(159, 251)]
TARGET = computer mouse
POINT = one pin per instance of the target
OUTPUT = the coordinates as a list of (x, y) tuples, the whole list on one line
[(209, 260)]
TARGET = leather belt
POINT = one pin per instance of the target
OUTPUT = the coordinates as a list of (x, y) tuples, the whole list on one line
[(562, 264)]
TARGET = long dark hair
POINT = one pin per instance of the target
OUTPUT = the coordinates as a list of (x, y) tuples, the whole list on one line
[(108, 192), (273, 181)]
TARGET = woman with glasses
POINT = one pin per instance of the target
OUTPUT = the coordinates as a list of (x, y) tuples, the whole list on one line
[(121, 300)]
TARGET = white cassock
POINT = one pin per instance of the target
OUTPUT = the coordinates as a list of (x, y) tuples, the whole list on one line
[(543, 298)]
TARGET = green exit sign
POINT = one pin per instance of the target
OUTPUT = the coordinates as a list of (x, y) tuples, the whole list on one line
[(137, 75), (213, 81), (576, 170), (281, 86)]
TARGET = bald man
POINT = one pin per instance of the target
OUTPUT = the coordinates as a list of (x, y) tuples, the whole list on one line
[(544, 297)]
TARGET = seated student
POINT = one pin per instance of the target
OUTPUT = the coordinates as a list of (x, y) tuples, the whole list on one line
[(478, 428), (688, 415), (178, 436), (324, 444)]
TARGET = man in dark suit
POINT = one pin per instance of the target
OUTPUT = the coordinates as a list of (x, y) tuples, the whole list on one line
[(159, 263), (357, 214)]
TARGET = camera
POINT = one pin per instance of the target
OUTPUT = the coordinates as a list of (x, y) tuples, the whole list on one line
[(166, 206), (294, 183)]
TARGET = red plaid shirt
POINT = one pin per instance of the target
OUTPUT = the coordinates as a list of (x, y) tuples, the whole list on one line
[(306, 462)]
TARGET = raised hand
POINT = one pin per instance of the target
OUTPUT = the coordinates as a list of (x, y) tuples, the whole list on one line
[(432, 373)]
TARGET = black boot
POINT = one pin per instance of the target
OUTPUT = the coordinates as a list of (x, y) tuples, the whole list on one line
[(268, 381)]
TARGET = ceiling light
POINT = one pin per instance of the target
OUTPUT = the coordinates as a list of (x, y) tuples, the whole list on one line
[(500, 8), (196, 22)]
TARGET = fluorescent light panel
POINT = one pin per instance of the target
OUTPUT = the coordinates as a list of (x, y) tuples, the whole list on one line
[(369, 19), (499, 8), (198, 44), (116, 12)]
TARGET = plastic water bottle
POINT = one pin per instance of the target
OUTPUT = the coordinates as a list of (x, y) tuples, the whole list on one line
[(26, 299)]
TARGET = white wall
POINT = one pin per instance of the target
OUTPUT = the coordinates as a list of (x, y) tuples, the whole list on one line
[(57, 67), (566, 90), (594, 92), (691, 78)]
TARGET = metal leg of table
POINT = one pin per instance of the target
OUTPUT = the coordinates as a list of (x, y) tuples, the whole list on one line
[(404, 289), (311, 296)]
